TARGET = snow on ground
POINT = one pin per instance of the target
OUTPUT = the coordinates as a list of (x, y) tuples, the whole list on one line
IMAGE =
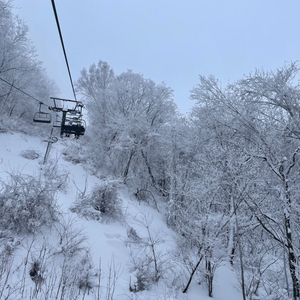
[(106, 240)]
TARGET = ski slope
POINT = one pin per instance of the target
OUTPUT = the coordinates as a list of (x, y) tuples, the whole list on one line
[(107, 240)]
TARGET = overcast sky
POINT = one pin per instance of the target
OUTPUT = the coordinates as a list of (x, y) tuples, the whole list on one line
[(172, 41)]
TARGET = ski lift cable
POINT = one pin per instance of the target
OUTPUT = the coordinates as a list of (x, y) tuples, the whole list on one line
[(63, 46), (22, 91)]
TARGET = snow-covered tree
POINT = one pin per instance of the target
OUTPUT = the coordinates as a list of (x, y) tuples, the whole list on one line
[(262, 112), (19, 68), (127, 114)]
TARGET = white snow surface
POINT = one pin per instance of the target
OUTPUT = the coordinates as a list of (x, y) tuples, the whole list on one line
[(106, 240)]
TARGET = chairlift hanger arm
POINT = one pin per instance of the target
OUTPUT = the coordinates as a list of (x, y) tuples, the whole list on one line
[(68, 100), (78, 103), (68, 110)]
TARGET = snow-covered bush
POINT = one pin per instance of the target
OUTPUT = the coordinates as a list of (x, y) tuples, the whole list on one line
[(75, 152), (76, 276), (133, 236), (71, 238), (86, 278), (26, 204), (6, 268), (55, 177), (148, 263), (143, 271), (36, 272), (101, 204), (142, 195), (30, 154)]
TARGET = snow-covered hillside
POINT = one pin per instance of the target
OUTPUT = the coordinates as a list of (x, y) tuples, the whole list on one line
[(102, 251)]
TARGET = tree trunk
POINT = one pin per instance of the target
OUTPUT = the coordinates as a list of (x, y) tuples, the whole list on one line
[(291, 258), (285, 273), (209, 276), (128, 165), (240, 249), (11, 110), (210, 286), (149, 168), (291, 255), (231, 244), (192, 274)]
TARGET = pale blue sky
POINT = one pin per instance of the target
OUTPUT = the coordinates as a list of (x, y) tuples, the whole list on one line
[(170, 41)]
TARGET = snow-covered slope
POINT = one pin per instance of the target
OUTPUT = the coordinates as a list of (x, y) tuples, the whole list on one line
[(107, 241)]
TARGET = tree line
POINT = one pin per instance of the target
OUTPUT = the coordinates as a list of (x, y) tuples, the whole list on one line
[(229, 172)]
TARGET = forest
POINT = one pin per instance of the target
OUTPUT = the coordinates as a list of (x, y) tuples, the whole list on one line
[(225, 177)]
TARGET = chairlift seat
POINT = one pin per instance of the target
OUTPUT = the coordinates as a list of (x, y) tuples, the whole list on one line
[(73, 129), (42, 117)]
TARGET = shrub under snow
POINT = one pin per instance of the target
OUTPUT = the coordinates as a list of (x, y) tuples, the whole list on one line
[(101, 204), (30, 154), (26, 204)]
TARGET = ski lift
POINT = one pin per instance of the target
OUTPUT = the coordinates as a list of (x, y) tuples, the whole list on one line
[(71, 121), (42, 117), (74, 126)]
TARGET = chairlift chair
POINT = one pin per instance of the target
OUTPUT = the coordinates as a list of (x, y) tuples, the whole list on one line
[(71, 120), (71, 126), (42, 117)]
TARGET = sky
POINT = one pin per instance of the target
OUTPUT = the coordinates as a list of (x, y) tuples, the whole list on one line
[(171, 41)]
